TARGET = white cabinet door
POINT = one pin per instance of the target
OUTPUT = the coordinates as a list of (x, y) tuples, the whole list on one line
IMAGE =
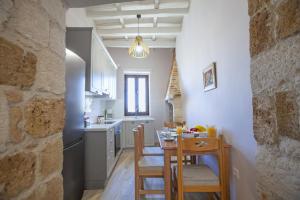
[(96, 65), (123, 135), (148, 133), (103, 69), (110, 77), (130, 125), (113, 82), (129, 137)]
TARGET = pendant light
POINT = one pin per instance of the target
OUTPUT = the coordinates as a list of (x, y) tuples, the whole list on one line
[(138, 48)]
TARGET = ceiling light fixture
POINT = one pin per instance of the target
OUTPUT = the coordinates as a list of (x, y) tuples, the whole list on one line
[(138, 48)]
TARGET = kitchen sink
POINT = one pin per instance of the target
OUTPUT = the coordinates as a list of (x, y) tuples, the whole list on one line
[(108, 122)]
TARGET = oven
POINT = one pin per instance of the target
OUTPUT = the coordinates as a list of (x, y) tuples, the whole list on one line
[(118, 129)]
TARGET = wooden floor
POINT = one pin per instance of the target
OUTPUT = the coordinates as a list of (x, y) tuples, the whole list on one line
[(121, 184)]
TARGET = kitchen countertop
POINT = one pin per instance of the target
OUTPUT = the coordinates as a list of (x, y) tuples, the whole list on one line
[(140, 118), (105, 127)]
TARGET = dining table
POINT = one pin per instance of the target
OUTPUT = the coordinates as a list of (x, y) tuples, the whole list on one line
[(170, 149)]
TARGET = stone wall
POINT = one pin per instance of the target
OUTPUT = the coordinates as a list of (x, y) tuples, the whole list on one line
[(32, 51), (275, 79)]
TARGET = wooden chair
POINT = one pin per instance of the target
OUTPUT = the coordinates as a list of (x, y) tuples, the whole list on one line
[(199, 178), (145, 167), (149, 151)]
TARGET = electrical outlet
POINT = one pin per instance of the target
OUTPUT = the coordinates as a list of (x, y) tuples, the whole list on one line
[(236, 172)]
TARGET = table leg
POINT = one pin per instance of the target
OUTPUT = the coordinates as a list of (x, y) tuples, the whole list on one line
[(226, 168), (167, 174)]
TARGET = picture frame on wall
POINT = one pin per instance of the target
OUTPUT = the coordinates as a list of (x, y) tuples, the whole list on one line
[(209, 77)]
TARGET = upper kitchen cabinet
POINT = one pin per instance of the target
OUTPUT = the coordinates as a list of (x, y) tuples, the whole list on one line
[(101, 71)]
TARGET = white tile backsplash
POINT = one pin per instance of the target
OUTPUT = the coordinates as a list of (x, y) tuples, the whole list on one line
[(94, 107)]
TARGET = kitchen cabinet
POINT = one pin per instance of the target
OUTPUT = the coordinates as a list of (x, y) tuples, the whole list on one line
[(101, 70), (110, 150), (100, 156), (96, 166), (149, 133), (129, 138), (129, 125)]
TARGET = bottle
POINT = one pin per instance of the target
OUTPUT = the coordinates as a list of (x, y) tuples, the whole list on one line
[(179, 130), (105, 114), (184, 127), (98, 119), (211, 131)]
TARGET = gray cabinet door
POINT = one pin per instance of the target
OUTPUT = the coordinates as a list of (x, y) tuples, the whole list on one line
[(95, 159), (110, 150), (148, 133), (129, 138)]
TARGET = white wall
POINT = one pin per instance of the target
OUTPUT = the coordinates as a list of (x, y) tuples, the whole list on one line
[(76, 17), (218, 31), (159, 64)]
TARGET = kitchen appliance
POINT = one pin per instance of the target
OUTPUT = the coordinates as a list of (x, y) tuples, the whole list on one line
[(73, 134), (117, 139), (109, 114)]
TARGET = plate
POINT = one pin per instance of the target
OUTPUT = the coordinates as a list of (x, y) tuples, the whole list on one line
[(173, 134), (195, 134), (168, 134), (169, 139)]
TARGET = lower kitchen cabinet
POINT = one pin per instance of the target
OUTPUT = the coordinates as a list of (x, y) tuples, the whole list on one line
[(100, 157), (128, 138), (110, 151)]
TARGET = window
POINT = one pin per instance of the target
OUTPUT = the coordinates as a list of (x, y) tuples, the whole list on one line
[(136, 95)]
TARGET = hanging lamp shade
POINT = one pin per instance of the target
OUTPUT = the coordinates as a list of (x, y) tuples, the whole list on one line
[(138, 48)]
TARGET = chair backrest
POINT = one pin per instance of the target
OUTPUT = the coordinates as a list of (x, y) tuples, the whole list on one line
[(137, 145), (197, 146), (200, 145), (142, 136)]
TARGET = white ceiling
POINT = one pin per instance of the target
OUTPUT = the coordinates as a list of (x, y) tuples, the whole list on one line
[(160, 23), (85, 3)]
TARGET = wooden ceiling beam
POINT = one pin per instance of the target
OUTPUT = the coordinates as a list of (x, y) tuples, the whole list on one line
[(106, 15), (133, 25), (156, 4), (170, 31), (158, 43)]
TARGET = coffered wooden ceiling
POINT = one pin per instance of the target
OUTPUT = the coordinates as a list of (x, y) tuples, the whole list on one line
[(160, 23)]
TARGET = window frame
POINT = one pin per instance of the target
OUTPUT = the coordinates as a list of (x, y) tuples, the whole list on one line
[(136, 78)]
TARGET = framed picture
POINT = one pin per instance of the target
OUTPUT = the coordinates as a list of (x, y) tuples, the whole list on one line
[(209, 77)]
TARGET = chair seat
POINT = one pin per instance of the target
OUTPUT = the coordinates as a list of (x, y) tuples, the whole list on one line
[(198, 175), (151, 163), (153, 151)]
